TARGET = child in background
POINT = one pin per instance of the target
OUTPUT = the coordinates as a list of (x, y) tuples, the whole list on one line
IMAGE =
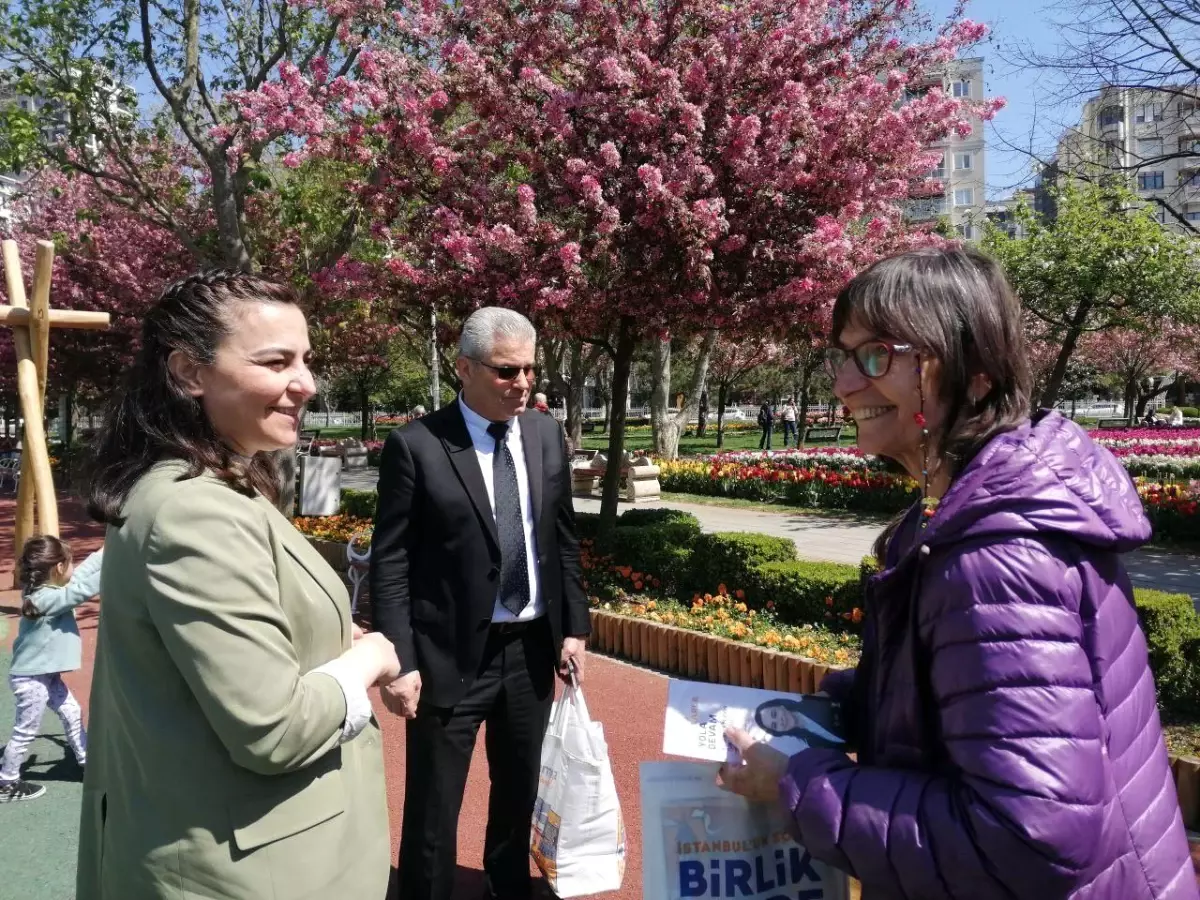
[(47, 645)]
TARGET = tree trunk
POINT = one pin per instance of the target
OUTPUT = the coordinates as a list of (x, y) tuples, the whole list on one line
[(234, 252), (573, 395), (667, 428), (721, 389), (285, 463), (67, 414), (1180, 389), (622, 364), (1130, 398), (1070, 340), (802, 413), (1143, 399), (663, 431), (364, 406), (702, 415)]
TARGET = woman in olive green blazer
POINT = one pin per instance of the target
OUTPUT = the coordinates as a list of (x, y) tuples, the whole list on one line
[(232, 749)]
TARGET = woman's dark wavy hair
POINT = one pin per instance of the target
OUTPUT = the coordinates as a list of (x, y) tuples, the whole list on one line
[(154, 418), (39, 556), (956, 306)]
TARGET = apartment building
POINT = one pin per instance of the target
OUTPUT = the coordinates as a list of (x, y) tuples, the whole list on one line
[(1153, 135), (962, 168), (10, 186)]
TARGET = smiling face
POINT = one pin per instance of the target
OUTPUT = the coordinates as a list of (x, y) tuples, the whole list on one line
[(493, 397), (885, 408), (254, 391)]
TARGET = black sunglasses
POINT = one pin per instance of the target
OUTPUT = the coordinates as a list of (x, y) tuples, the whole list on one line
[(873, 358), (508, 373)]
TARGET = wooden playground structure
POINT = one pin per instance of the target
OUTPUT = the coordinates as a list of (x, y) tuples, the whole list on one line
[(37, 505)]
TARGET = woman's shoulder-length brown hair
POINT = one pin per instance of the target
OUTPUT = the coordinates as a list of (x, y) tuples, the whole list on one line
[(955, 305)]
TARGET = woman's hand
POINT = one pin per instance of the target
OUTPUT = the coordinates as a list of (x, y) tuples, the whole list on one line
[(762, 768), (374, 657)]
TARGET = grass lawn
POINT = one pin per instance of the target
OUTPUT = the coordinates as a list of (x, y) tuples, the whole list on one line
[(693, 446)]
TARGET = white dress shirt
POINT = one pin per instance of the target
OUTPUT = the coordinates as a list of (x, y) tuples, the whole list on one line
[(485, 446)]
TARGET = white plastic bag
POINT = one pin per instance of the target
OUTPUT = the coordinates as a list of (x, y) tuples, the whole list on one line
[(578, 837), (700, 842)]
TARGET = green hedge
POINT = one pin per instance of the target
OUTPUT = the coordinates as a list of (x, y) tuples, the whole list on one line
[(360, 504), (1173, 636), (803, 591), (729, 558), (665, 551)]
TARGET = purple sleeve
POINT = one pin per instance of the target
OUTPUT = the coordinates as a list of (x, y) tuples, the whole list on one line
[(1020, 815)]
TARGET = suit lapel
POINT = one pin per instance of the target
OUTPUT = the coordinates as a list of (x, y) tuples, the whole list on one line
[(457, 441), (531, 440)]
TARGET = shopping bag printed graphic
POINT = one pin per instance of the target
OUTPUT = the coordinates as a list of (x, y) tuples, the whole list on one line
[(578, 837), (700, 842)]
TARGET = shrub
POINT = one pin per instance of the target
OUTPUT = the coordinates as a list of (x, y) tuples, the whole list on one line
[(360, 504), (636, 518), (587, 525), (728, 557), (802, 592), (1172, 631), (665, 551), (1190, 412)]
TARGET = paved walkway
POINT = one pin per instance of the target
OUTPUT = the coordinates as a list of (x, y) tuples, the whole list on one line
[(848, 538)]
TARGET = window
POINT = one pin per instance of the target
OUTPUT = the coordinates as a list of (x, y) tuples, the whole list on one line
[(1190, 178), (1148, 112), (962, 161), (965, 230), (1192, 215), (1151, 181), (961, 89), (1186, 108), (1190, 145), (1111, 115), (1150, 148), (964, 197)]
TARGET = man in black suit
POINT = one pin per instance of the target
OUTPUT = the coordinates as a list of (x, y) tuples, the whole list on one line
[(475, 577)]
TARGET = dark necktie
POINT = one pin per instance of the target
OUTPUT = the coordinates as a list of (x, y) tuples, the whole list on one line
[(510, 524)]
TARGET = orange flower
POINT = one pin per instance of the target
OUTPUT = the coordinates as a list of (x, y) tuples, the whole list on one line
[(740, 594), (637, 585)]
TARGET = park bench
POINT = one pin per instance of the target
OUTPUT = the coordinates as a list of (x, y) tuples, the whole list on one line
[(1115, 424), (823, 434), (304, 445), (639, 478)]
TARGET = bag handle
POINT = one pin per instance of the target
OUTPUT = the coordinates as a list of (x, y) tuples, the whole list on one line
[(576, 694)]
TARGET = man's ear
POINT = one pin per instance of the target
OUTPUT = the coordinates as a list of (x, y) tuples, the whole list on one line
[(186, 372)]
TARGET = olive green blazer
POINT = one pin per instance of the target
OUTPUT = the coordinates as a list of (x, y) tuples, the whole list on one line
[(214, 764)]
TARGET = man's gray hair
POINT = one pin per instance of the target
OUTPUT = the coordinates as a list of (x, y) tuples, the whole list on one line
[(483, 326)]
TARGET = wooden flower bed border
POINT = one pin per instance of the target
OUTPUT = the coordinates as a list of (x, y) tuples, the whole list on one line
[(706, 657)]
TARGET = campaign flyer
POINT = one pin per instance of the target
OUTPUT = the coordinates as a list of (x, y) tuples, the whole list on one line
[(698, 714)]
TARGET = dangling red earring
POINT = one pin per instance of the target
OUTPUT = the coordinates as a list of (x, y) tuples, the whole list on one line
[(928, 504)]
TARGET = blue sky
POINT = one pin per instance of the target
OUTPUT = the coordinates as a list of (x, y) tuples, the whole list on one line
[(1036, 113)]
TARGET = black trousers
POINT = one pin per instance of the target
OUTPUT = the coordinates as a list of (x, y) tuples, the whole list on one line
[(512, 695)]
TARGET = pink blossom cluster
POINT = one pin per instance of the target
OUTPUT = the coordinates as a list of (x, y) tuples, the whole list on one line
[(671, 167)]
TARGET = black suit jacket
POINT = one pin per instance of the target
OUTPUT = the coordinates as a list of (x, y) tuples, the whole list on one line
[(435, 554)]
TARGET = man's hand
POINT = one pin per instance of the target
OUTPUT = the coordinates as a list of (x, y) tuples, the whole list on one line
[(356, 633), (402, 695), (573, 649)]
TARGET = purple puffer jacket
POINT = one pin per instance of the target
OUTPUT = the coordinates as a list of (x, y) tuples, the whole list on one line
[(1009, 742)]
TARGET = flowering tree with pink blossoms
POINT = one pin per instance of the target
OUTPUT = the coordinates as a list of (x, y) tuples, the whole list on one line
[(628, 170), (1164, 350), (107, 259)]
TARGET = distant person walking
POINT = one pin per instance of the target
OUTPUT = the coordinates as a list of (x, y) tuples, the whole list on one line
[(789, 416), (766, 421)]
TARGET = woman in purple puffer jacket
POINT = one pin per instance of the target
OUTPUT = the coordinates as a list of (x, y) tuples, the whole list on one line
[(1004, 713)]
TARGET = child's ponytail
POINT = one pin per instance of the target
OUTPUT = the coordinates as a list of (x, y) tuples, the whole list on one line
[(41, 554)]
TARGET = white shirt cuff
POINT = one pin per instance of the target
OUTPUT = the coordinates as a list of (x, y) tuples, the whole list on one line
[(358, 704)]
